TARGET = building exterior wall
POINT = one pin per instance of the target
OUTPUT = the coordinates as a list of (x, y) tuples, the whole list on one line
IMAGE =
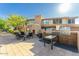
[(51, 22)]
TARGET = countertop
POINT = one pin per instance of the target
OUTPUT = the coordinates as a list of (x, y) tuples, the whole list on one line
[(66, 31)]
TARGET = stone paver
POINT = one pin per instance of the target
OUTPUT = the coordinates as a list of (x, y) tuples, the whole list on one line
[(11, 47)]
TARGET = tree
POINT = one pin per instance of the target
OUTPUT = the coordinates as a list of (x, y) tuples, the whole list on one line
[(2, 23), (15, 20), (12, 21)]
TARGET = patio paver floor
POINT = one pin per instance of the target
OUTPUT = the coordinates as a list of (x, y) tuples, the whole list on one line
[(9, 46)]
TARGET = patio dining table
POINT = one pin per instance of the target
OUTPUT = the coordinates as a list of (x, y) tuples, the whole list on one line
[(51, 38)]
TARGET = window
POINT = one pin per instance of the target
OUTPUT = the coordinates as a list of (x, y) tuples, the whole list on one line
[(54, 21), (71, 21), (64, 21), (45, 22), (50, 21), (57, 21), (77, 21)]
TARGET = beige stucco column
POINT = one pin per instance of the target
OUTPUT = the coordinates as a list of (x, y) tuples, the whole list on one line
[(37, 25)]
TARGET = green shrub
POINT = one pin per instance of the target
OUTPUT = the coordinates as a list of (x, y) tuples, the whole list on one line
[(10, 30)]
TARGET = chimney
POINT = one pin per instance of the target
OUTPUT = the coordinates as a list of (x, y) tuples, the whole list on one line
[(38, 19)]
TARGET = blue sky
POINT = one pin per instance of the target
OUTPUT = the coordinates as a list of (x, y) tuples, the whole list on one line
[(32, 9)]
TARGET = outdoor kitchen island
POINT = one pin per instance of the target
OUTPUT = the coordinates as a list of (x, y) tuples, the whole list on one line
[(72, 38)]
